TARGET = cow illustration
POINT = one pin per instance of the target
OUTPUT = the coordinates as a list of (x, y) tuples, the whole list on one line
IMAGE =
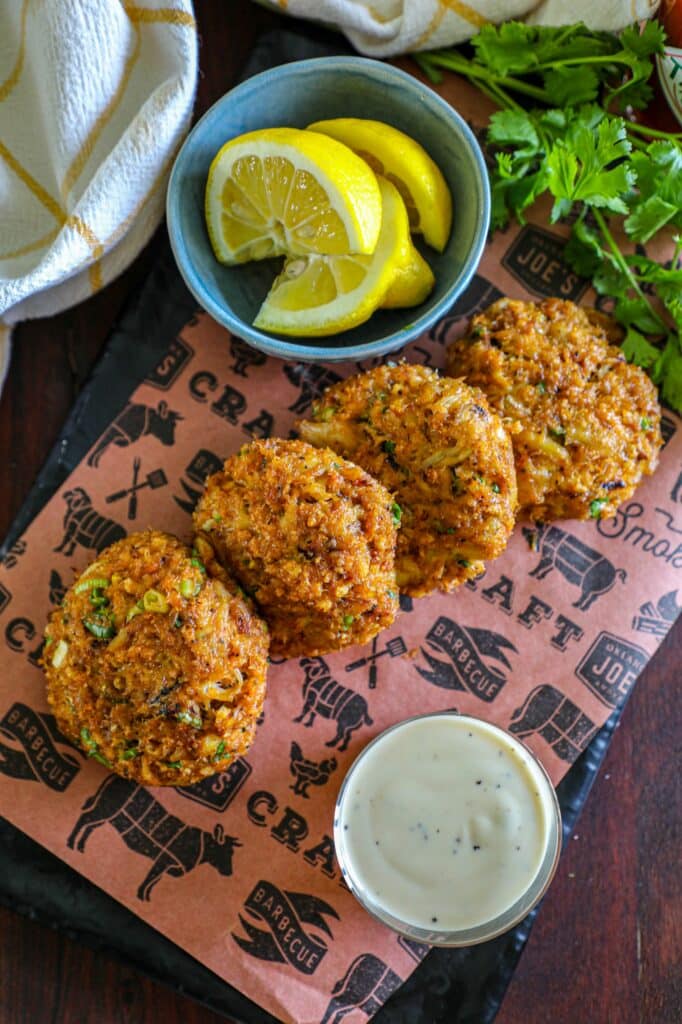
[(308, 773), (479, 294), (322, 695), (244, 356), (147, 828), (557, 719), (312, 380), (85, 526), (577, 563), (365, 986), (134, 422)]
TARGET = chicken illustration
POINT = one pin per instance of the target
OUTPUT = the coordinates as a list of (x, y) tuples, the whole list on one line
[(308, 773)]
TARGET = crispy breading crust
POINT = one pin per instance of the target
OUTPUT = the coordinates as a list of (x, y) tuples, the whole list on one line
[(434, 443), (167, 697), (585, 424), (311, 537)]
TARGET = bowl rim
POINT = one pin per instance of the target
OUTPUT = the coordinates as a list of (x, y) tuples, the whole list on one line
[(301, 350)]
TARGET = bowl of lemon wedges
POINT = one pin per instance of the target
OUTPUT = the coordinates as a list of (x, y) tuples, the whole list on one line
[(329, 209)]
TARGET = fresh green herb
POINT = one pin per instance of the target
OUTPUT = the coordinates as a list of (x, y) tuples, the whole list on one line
[(99, 582), (348, 621), (388, 447), (598, 167), (130, 753), (645, 423), (397, 513), (188, 719), (154, 601), (101, 626), (177, 765), (596, 506)]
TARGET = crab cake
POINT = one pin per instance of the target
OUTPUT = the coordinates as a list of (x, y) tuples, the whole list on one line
[(434, 443), (156, 667), (584, 423), (311, 537)]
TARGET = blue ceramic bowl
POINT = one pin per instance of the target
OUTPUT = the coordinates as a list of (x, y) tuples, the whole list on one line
[(295, 95)]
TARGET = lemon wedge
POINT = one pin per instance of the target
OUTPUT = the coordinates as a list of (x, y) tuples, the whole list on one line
[(412, 283), (284, 191), (319, 295), (406, 164)]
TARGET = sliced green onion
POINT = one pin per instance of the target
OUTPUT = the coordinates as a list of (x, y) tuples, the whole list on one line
[(129, 754), (96, 756), (464, 562), (495, 488), (388, 447), (596, 506), (154, 601), (48, 641), (137, 609), (645, 423), (325, 414), (197, 563), (101, 626), (174, 764), (95, 581), (218, 754), (348, 621), (60, 652), (188, 588), (397, 512), (541, 387), (188, 719), (98, 598), (87, 739)]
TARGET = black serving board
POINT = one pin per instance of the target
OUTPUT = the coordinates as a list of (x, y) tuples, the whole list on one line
[(462, 986)]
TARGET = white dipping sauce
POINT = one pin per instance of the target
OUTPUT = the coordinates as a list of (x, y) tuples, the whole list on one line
[(444, 822)]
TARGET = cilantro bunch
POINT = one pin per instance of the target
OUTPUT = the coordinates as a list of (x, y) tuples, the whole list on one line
[(569, 137)]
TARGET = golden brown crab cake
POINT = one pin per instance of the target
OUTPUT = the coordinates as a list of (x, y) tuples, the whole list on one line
[(434, 443), (584, 423), (310, 537), (155, 666)]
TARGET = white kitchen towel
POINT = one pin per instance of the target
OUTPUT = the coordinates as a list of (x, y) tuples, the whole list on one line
[(95, 99), (384, 28)]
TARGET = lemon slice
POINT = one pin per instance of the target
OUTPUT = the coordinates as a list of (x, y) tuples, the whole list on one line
[(286, 191), (412, 283), (405, 163), (319, 295)]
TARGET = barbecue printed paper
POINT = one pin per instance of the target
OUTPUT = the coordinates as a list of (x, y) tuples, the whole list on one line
[(546, 644)]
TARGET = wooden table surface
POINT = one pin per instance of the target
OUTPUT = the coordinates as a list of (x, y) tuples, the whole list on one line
[(606, 946)]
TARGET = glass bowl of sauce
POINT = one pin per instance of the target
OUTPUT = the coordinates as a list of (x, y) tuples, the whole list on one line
[(447, 829)]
